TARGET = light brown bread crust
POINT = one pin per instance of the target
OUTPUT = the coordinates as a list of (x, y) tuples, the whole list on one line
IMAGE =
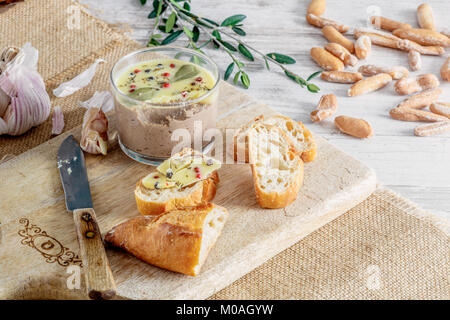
[(171, 241), (200, 195)]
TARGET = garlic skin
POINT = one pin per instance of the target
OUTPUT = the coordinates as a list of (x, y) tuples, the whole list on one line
[(24, 102), (94, 131), (57, 120)]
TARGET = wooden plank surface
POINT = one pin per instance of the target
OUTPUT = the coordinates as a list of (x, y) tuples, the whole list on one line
[(415, 167), (39, 240)]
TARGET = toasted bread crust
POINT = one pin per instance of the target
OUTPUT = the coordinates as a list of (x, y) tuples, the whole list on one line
[(199, 196), (171, 241)]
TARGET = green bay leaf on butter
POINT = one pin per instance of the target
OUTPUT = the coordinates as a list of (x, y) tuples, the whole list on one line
[(185, 72), (142, 94)]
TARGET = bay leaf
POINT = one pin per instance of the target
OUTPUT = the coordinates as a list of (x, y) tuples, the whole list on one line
[(185, 72), (142, 94)]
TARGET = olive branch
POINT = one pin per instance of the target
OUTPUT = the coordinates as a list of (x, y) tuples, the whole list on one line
[(173, 18)]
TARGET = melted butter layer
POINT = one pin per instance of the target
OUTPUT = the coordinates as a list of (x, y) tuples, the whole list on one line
[(165, 81)]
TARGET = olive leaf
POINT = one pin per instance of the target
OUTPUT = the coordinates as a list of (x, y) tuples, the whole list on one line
[(245, 80), (281, 58), (187, 6), (171, 22), (172, 37), (236, 77), (143, 2), (313, 75), (228, 45), (233, 20), (188, 32), (245, 52), (229, 71), (142, 94), (238, 31), (312, 88), (196, 33), (185, 72)]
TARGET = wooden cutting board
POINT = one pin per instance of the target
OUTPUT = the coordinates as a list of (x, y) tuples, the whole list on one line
[(39, 250)]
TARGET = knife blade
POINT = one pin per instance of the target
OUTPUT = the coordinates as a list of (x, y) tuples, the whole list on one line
[(72, 168)]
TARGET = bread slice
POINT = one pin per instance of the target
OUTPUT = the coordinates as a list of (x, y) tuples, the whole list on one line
[(277, 169), (304, 143), (301, 137), (155, 202), (240, 140), (179, 240)]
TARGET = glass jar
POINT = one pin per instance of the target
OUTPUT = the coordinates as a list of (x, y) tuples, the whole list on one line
[(149, 132)]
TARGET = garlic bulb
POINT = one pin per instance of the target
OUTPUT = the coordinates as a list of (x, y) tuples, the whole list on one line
[(24, 102), (94, 132)]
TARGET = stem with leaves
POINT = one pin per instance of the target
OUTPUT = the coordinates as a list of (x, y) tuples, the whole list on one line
[(179, 11)]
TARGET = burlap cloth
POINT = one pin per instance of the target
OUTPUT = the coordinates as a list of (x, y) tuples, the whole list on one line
[(385, 248)]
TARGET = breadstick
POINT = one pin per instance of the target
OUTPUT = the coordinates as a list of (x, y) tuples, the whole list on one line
[(326, 107), (358, 128), (445, 70), (341, 76), (414, 60), (411, 85), (415, 115), (423, 37), (396, 72), (421, 100), (317, 7), (326, 60), (363, 47), (441, 108), (387, 40), (387, 24), (370, 84), (323, 22), (425, 17), (446, 32), (332, 35), (432, 129), (342, 53)]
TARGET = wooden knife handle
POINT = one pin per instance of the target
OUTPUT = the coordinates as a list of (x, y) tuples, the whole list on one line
[(99, 280)]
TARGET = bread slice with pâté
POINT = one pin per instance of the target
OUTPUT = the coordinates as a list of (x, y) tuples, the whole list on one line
[(187, 179)]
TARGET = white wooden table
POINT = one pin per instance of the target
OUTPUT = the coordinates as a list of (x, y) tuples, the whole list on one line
[(417, 168)]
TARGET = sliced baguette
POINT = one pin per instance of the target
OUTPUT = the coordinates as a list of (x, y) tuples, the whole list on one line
[(155, 202), (277, 169), (179, 240), (303, 141)]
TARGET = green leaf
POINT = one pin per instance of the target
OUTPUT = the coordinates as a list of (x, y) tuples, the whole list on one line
[(143, 2), (157, 36), (245, 80), (313, 88), (229, 71), (185, 72), (216, 34), (171, 22), (245, 52), (152, 14), (142, 94), (211, 22), (188, 32), (187, 6), (281, 58), (196, 32), (236, 77), (228, 45), (315, 74), (296, 78), (155, 4), (238, 31), (172, 37), (231, 21)]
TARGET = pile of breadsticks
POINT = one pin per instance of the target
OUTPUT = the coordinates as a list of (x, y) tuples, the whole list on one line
[(341, 52)]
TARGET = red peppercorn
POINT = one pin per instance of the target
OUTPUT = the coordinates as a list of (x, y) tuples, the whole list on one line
[(183, 94), (172, 65), (198, 79), (133, 86), (166, 74), (198, 176), (166, 85), (137, 71), (196, 169), (156, 177), (131, 90)]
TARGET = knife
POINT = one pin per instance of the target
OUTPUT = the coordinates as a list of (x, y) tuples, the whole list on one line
[(98, 276)]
